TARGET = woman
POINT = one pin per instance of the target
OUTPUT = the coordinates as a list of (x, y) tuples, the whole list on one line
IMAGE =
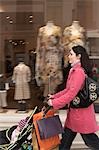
[(81, 120)]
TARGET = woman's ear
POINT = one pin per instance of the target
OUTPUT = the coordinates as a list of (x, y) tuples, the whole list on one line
[(79, 56)]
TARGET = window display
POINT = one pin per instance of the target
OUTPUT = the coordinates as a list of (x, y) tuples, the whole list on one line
[(40, 31), (49, 55), (4, 86), (74, 35), (21, 77), (93, 50)]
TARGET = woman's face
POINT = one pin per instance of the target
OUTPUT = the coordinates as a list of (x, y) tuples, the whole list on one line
[(73, 57)]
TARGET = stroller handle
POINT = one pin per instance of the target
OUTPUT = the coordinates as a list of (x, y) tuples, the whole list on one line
[(45, 110)]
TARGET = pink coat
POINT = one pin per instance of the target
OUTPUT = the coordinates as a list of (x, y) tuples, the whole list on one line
[(80, 120)]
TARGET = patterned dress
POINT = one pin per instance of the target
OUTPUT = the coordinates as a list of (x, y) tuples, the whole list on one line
[(49, 56), (72, 36)]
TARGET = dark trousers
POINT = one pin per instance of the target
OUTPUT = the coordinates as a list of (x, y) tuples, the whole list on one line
[(91, 140)]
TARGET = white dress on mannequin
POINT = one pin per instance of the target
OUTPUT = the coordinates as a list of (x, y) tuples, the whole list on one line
[(21, 77)]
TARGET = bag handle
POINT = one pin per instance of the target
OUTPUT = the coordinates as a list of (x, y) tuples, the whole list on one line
[(45, 110)]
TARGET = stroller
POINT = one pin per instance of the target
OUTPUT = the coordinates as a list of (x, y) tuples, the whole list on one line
[(22, 140)]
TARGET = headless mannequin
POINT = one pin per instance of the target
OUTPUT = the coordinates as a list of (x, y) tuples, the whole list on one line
[(21, 77), (47, 35), (49, 57), (3, 93), (49, 28), (73, 35), (77, 30), (76, 26)]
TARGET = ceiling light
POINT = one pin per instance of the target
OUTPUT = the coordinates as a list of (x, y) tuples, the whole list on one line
[(10, 21), (31, 16), (10, 41), (7, 17), (15, 44), (30, 21)]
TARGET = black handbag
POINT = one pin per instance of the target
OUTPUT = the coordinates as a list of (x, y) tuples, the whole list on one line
[(86, 96), (49, 127)]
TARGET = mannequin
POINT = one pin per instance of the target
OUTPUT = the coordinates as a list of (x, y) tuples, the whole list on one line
[(46, 33), (49, 55), (73, 35), (21, 77), (4, 86)]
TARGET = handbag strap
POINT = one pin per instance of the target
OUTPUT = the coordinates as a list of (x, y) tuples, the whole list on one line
[(85, 72), (84, 80)]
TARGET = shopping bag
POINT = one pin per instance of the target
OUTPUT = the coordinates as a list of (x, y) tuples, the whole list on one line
[(49, 127), (45, 144), (35, 143)]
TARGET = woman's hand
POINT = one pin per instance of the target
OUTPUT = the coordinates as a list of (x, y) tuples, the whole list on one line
[(49, 102), (49, 99), (50, 96)]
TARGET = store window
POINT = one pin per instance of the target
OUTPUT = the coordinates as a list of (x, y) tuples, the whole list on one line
[(20, 21)]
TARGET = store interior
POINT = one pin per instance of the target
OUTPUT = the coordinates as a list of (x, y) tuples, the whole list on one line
[(20, 21)]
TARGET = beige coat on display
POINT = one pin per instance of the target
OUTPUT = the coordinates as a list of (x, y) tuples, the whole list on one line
[(21, 77)]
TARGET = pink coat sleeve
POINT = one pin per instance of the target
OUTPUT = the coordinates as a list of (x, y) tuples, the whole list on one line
[(74, 84), (59, 93)]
